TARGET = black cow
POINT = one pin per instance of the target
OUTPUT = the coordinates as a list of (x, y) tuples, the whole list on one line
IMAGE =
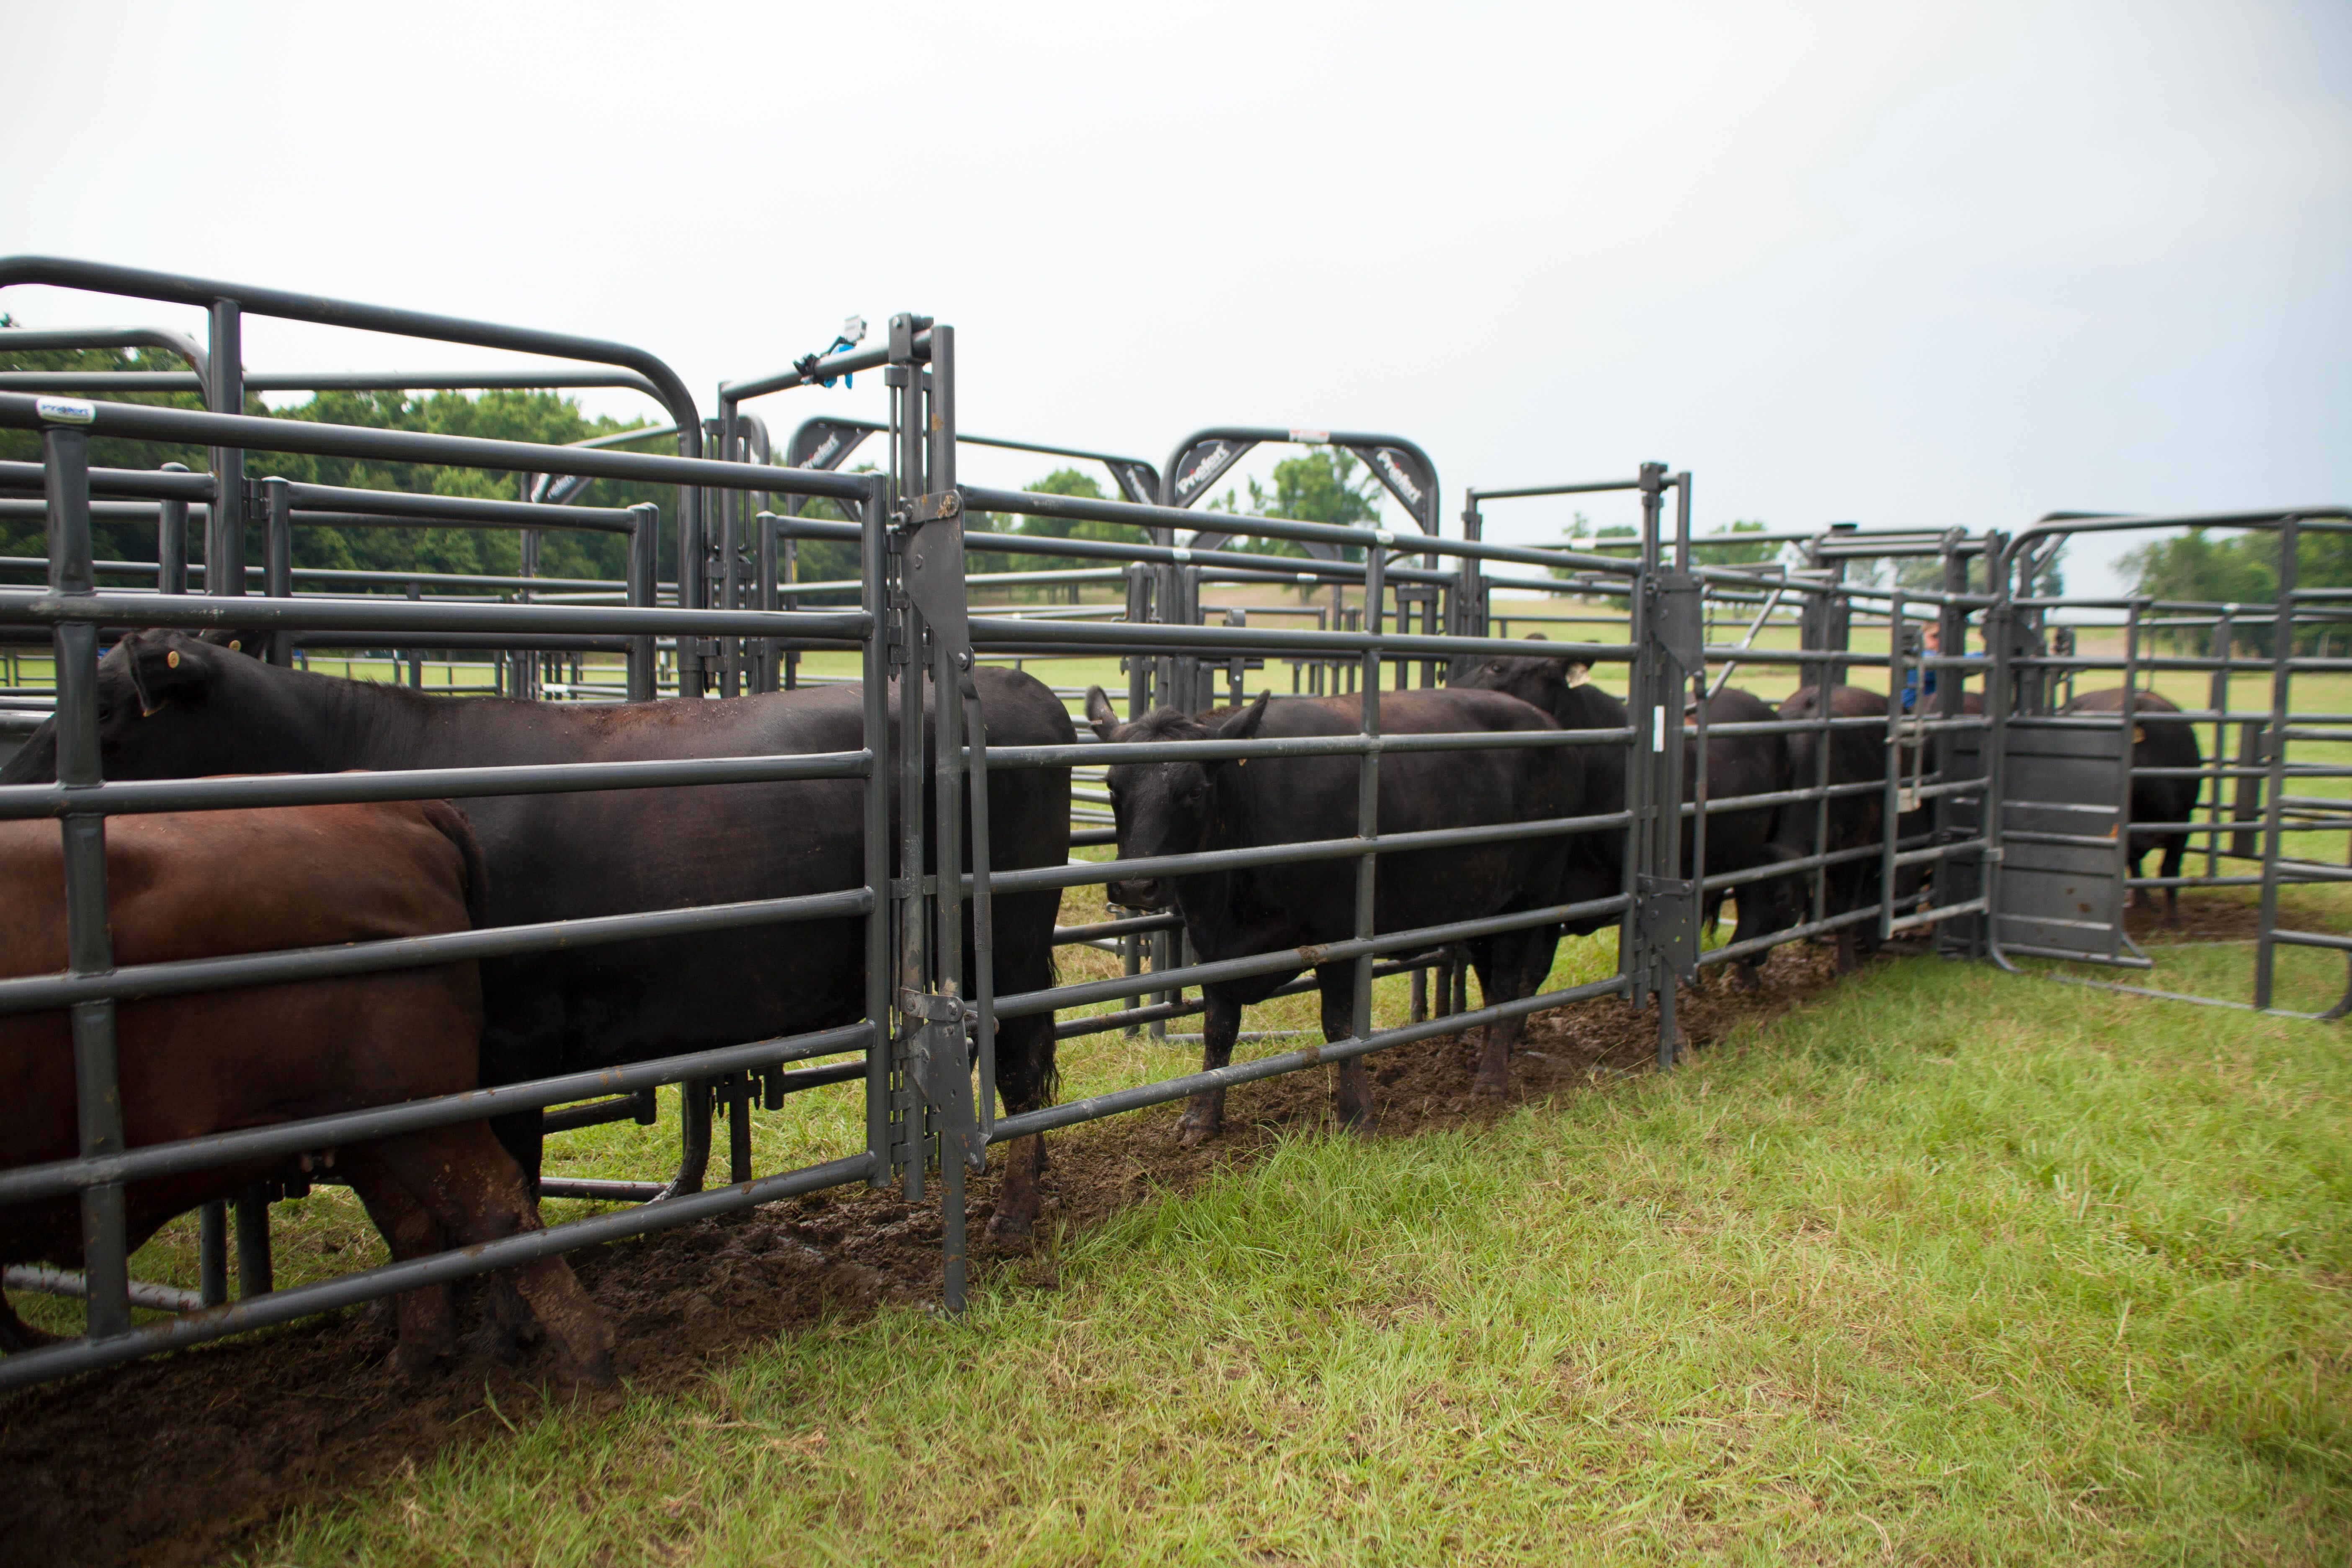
[(1855, 755), (1736, 765), (1183, 808), (174, 706), (2157, 742), (1595, 866)]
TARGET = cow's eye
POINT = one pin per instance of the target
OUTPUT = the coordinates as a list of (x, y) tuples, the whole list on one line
[(1495, 668)]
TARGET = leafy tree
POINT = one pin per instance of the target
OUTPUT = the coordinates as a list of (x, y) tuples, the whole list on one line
[(1067, 482), (1715, 549)]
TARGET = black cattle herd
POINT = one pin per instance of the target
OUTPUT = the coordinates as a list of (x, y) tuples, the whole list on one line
[(201, 884)]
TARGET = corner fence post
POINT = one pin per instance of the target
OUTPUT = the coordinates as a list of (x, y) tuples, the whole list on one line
[(89, 945)]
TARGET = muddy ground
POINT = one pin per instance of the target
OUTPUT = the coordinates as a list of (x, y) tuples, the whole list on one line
[(185, 1458)]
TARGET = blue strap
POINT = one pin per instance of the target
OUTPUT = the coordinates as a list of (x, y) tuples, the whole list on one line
[(806, 364)]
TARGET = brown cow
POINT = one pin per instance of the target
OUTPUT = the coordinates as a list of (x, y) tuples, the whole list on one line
[(202, 884)]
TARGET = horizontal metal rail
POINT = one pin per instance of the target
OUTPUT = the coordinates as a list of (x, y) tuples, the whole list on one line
[(1096, 1107), (181, 976), (252, 432), (27, 1183), (350, 1289), (221, 793), (386, 614), (1024, 1004), (1108, 754), (1037, 879)]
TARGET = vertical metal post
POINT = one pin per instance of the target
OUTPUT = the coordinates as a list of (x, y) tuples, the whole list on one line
[(89, 945), (644, 591), (726, 575), (172, 540), (2281, 672), (1665, 779), (1890, 809), (1368, 793), (212, 1254), (947, 669), (416, 655), (765, 577), (225, 394), (874, 665), (254, 1273), (2126, 757), (278, 562), (693, 573), (2218, 698), (523, 678)]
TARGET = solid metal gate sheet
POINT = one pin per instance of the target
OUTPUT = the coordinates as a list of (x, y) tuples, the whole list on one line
[(2061, 887)]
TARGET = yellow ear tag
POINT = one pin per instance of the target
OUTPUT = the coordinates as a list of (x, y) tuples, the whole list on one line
[(236, 647), (172, 659)]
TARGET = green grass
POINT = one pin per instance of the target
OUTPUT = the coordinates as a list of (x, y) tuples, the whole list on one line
[(1945, 1266)]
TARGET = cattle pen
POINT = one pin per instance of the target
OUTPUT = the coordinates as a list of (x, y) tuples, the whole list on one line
[(2006, 834)]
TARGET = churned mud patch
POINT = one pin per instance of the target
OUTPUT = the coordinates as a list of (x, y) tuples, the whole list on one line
[(185, 1458)]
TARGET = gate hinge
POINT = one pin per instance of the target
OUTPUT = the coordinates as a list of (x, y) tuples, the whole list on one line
[(1676, 619), (932, 507)]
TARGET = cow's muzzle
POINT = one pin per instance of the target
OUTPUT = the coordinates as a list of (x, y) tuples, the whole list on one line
[(1148, 893)]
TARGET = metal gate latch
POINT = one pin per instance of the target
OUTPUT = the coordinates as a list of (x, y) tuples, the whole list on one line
[(940, 1060), (1665, 917)]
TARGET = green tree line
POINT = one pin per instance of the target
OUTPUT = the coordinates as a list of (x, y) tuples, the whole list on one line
[(541, 416)]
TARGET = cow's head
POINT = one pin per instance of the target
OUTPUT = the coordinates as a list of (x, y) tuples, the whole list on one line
[(169, 705), (1539, 680), (1167, 807)]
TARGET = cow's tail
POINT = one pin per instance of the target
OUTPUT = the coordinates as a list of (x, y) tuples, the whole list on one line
[(452, 824)]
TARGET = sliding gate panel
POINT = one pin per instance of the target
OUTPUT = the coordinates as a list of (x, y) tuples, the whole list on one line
[(2061, 888)]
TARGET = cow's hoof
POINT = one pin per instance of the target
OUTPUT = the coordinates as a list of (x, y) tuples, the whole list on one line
[(1486, 1087), (1191, 1134), (410, 1361), (593, 1371), (1746, 979), (1007, 1234)]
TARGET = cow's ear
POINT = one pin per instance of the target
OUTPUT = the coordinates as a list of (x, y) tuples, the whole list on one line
[(167, 666), (1578, 672), (251, 644), (1535, 636), (1100, 714), (1244, 725)]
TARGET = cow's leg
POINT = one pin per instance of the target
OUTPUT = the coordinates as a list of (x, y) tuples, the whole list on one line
[(1220, 1025), (2174, 848), (476, 1193), (1024, 1081), (1351, 1085), (1848, 957), (16, 1334), (1506, 965), (424, 1327)]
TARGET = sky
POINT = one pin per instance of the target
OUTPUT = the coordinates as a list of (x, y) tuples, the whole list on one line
[(1917, 266)]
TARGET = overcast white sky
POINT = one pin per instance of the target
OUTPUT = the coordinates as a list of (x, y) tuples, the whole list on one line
[(1918, 265)]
